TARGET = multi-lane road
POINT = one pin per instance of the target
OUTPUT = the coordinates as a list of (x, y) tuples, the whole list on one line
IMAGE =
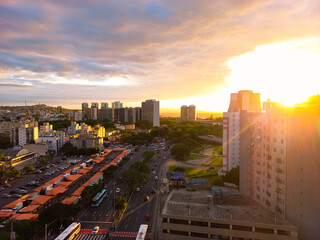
[(137, 207)]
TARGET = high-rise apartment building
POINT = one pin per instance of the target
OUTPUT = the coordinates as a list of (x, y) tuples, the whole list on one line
[(85, 111), (105, 113), (243, 100), (136, 116), (95, 104), (104, 105), (115, 113), (150, 112), (23, 134), (279, 166), (117, 104), (188, 113), (94, 113)]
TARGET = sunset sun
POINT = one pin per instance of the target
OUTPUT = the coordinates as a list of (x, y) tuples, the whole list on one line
[(287, 72)]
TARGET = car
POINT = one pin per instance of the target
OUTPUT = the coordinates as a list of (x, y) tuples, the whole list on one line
[(21, 191), (164, 158), (153, 172), (147, 217), (153, 190), (146, 198), (37, 171), (6, 195), (1, 188), (16, 195), (95, 230), (7, 185), (118, 190), (156, 178), (24, 188), (137, 189)]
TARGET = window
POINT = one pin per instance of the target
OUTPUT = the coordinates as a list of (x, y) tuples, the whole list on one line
[(265, 230), (220, 225), (179, 221), (200, 235), (179, 232), (242, 228), (198, 223)]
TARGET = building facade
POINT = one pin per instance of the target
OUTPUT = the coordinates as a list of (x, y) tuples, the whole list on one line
[(85, 111), (242, 101), (188, 113), (150, 112), (279, 166)]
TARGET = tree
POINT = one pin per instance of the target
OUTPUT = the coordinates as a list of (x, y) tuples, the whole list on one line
[(191, 143), (144, 124), (5, 142), (232, 176), (108, 173), (14, 173), (24, 229), (120, 203), (90, 191), (28, 168), (134, 178), (180, 151), (141, 167), (42, 160), (147, 155)]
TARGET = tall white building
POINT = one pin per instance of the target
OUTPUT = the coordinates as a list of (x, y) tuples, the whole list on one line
[(23, 134), (150, 111), (242, 101), (231, 140)]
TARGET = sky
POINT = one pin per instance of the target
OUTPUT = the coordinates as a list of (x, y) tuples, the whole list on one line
[(176, 51)]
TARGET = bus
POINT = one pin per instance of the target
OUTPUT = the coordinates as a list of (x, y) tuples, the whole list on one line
[(70, 232), (98, 198), (142, 232)]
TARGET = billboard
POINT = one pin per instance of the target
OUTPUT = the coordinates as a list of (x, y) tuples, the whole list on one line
[(177, 176)]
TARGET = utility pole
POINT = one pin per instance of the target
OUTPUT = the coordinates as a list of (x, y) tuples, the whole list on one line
[(12, 234), (45, 232)]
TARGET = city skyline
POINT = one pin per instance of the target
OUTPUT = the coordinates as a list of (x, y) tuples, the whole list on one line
[(73, 52)]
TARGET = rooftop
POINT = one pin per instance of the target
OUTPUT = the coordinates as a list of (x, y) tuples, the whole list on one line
[(203, 204)]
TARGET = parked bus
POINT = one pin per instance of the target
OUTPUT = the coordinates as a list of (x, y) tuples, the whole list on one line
[(142, 232), (70, 232), (98, 198)]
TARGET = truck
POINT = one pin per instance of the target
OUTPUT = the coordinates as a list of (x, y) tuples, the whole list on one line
[(18, 207), (46, 189)]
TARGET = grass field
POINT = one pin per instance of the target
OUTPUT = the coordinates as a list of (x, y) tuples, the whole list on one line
[(195, 156), (196, 172), (215, 162)]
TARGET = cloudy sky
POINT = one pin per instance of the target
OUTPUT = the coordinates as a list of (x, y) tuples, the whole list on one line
[(176, 51)]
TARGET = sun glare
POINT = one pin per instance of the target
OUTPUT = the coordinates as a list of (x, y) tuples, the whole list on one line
[(287, 72)]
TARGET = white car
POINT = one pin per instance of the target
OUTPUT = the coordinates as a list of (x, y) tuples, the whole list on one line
[(153, 172), (118, 190)]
